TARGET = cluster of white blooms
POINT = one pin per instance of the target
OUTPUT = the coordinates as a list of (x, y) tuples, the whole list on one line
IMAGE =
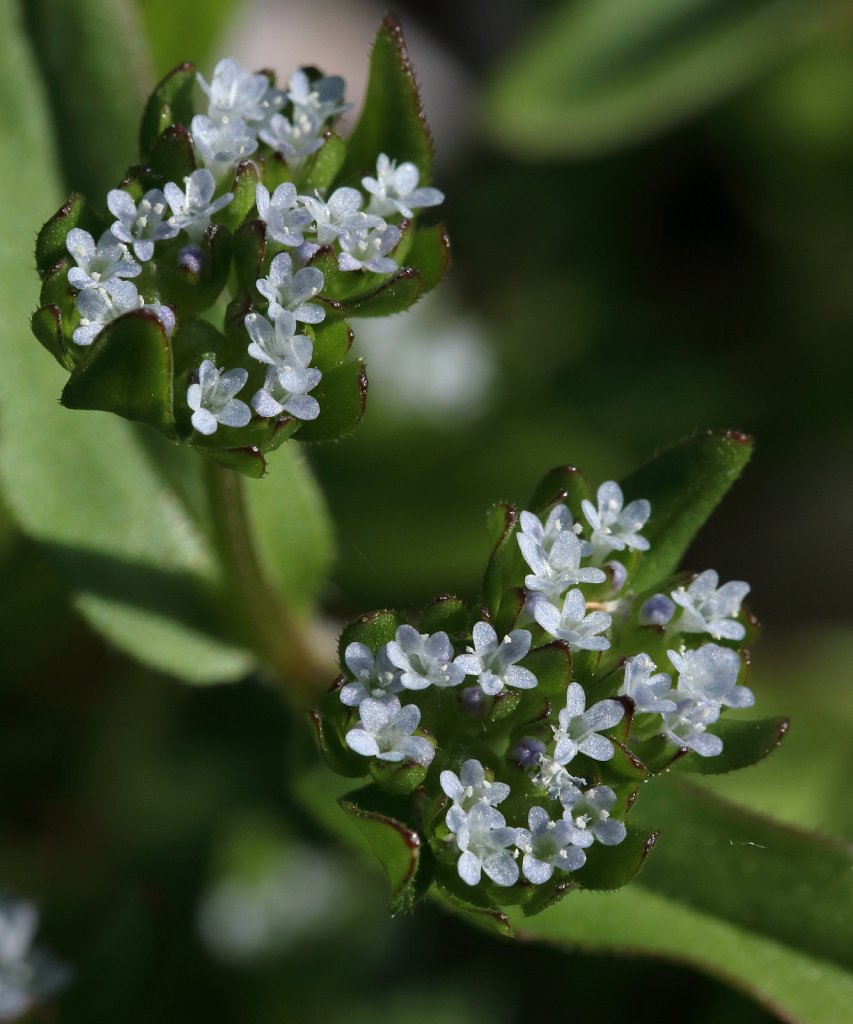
[(104, 269), (486, 845), (27, 976), (566, 814), (244, 113)]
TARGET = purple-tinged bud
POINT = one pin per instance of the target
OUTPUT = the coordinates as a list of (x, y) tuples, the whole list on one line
[(528, 751), (656, 611), (617, 574), (191, 259), (473, 701)]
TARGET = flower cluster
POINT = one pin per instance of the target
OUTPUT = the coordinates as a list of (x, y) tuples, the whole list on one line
[(248, 184), (550, 704)]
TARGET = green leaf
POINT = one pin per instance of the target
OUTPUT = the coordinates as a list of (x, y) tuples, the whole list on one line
[(396, 845), (744, 743), (50, 242), (373, 630), (128, 371), (504, 566), (598, 74), (170, 102), (611, 867), (94, 64), (47, 327), (332, 341), (564, 485), (429, 254), (243, 188), (760, 905), (392, 120), (447, 613), (322, 167), (471, 906), (248, 461), (396, 294), (342, 394), (250, 245), (173, 156), (746, 862), (194, 292), (684, 485), (552, 666)]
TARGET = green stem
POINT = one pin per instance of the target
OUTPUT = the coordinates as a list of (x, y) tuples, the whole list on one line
[(293, 647)]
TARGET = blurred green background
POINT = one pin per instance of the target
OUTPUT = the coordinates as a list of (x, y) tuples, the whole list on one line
[(652, 222)]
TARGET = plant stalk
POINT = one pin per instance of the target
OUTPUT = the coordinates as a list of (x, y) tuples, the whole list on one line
[(293, 647)]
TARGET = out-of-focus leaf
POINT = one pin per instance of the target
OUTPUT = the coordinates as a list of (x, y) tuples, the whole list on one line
[(93, 59), (292, 526), (184, 32), (684, 484), (396, 846), (744, 743), (600, 74), (392, 120), (746, 862)]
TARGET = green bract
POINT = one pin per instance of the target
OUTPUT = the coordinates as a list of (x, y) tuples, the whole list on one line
[(141, 352), (561, 740)]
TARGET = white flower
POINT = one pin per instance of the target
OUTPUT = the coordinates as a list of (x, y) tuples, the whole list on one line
[(469, 788), (368, 248), (687, 726), (341, 212), (234, 93), (395, 189), (588, 813), (193, 208), (614, 528), (707, 608), (482, 840), (650, 693), (578, 731), (535, 534), (286, 390), (375, 677), (572, 624), (98, 307), (556, 566), (140, 226), (553, 777), (212, 399), (710, 674), (425, 660), (98, 266), (285, 290), (385, 732), (295, 138), (284, 219), (222, 144), (547, 845), (495, 663), (321, 98), (27, 976), (278, 344)]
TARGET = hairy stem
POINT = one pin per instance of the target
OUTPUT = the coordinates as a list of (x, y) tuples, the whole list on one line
[(293, 647)]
